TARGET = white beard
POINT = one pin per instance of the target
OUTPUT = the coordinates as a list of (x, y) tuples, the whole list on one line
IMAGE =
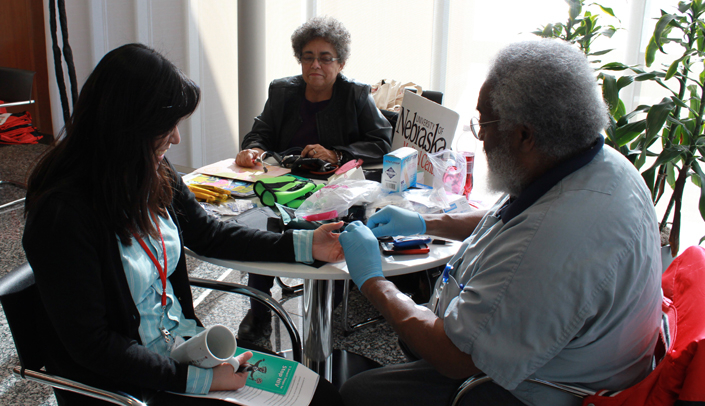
[(504, 173)]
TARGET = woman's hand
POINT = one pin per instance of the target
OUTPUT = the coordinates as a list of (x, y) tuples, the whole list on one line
[(226, 378), (246, 157), (320, 152), (325, 243)]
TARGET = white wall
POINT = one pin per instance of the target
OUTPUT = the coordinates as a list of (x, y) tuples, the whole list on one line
[(199, 36)]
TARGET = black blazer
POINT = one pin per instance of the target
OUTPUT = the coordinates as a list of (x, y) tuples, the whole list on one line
[(351, 123), (93, 321)]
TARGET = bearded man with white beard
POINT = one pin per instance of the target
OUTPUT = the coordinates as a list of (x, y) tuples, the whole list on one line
[(559, 280)]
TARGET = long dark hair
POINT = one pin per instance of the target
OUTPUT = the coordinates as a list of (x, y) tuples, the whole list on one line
[(133, 98)]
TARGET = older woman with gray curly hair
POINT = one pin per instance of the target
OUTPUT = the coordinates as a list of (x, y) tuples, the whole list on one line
[(318, 114), (321, 112)]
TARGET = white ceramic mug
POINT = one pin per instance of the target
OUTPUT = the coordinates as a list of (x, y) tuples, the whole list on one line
[(211, 347)]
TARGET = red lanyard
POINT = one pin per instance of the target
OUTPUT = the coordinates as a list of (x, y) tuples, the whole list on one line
[(162, 271)]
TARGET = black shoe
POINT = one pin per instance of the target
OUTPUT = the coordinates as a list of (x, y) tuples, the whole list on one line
[(253, 328)]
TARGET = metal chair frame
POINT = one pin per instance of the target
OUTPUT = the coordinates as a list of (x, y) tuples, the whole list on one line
[(477, 380), (18, 281)]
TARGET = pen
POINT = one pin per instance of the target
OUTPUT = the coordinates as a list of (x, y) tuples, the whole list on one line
[(438, 241), (446, 272)]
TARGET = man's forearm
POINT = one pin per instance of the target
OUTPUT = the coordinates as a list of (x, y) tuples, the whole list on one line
[(453, 226), (419, 328)]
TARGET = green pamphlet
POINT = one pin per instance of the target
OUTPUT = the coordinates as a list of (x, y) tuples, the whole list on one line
[(269, 372)]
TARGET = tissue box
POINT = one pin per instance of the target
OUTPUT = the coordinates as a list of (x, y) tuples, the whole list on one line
[(399, 169)]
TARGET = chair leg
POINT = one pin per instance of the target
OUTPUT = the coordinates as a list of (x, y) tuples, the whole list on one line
[(348, 328), (16, 184), (12, 203), (293, 289), (13, 183)]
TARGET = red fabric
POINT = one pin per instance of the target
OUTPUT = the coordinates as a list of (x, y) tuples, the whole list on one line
[(18, 129), (681, 374)]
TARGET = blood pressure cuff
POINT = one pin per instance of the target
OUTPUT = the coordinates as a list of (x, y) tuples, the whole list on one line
[(313, 168), (286, 190)]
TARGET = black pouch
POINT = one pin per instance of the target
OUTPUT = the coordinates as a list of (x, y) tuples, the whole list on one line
[(312, 168)]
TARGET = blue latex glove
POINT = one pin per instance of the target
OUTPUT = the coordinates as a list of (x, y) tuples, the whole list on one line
[(392, 221), (361, 252)]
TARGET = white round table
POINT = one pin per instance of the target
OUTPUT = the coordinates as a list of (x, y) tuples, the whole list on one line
[(318, 292)]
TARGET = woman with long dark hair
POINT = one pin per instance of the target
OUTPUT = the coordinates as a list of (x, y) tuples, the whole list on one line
[(107, 222)]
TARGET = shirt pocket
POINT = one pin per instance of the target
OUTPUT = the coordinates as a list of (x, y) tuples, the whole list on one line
[(450, 291)]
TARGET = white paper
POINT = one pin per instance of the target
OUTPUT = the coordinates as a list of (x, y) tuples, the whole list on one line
[(300, 392)]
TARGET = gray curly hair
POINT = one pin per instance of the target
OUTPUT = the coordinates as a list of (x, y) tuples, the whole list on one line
[(549, 85), (328, 28)]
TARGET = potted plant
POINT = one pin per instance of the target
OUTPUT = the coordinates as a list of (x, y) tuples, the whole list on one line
[(669, 133)]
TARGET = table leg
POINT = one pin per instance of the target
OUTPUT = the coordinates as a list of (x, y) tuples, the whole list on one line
[(318, 331)]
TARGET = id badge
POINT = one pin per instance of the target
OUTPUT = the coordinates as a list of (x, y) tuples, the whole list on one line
[(446, 293)]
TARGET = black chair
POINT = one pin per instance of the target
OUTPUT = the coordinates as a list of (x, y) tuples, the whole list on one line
[(15, 87), (15, 90), (26, 317)]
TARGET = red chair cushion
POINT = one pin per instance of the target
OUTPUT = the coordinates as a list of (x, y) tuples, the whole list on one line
[(681, 374)]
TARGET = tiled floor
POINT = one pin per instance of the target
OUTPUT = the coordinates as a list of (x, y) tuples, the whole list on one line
[(376, 341)]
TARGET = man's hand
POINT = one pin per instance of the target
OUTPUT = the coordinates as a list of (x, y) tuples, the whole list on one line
[(246, 157), (326, 246), (361, 253), (393, 221), (226, 378)]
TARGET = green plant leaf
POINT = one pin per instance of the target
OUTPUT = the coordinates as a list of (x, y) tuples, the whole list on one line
[(701, 202), (682, 104), (609, 32), (621, 109), (671, 175), (627, 133), (576, 7), (668, 155), (623, 120), (682, 126), (649, 176), (606, 10), (673, 68), (646, 76), (683, 6), (695, 178), (662, 28), (650, 53), (614, 66), (598, 53), (624, 81), (656, 117), (610, 92)]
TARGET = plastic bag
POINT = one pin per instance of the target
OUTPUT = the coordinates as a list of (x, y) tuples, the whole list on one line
[(336, 198), (449, 170)]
